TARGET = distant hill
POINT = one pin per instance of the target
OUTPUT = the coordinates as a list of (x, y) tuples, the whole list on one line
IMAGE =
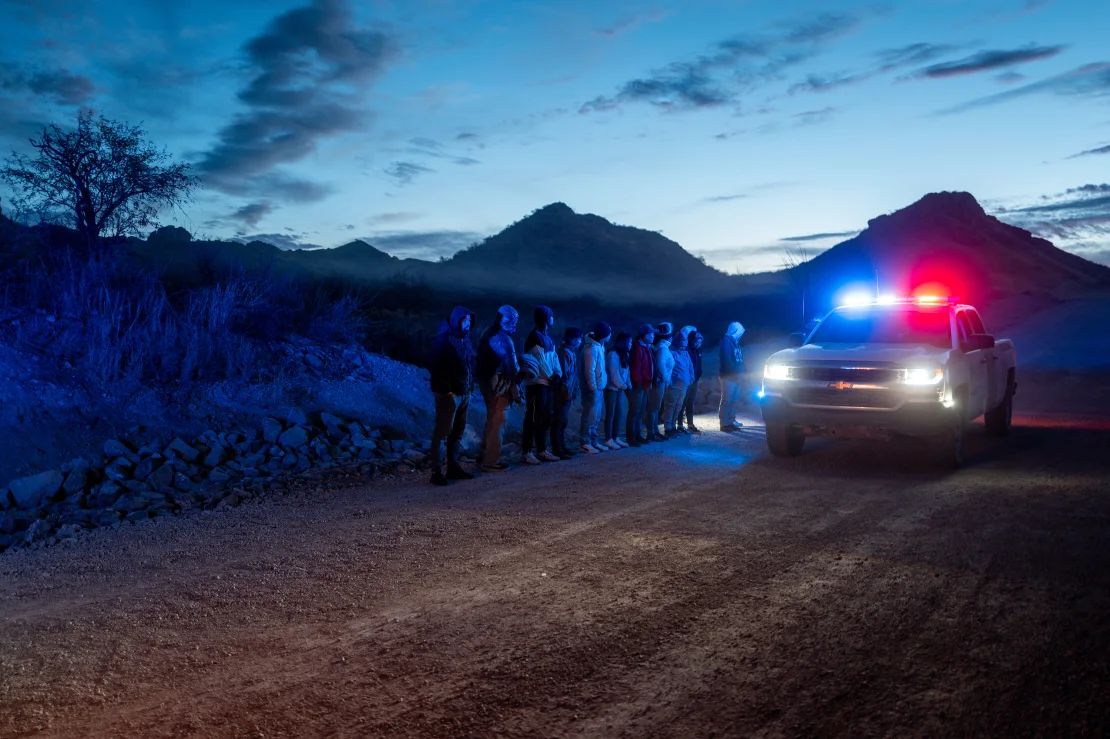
[(555, 250), (947, 240)]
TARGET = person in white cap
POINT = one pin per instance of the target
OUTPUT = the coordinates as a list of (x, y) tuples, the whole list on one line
[(731, 374)]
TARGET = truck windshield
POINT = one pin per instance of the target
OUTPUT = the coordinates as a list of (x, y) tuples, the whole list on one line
[(884, 326)]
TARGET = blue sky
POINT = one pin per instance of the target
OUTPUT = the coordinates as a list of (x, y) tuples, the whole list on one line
[(738, 129)]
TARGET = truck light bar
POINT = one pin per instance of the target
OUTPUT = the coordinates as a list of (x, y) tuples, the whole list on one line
[(854, 301)]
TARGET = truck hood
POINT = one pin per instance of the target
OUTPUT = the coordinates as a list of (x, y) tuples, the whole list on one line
[(863, 354)]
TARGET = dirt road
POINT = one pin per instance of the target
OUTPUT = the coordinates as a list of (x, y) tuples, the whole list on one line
[(693, 588)]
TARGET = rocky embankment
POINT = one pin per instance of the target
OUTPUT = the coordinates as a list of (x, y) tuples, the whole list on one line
[(137, 478)]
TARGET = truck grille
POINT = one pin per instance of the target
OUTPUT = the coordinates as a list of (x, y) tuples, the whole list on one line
[(861, 375), (850, 398)]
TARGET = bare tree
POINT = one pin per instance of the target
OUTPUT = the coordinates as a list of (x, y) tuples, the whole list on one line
[(103, 178)]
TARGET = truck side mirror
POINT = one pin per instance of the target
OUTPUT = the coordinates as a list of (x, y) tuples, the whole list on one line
[(978, 341), (796, 339)]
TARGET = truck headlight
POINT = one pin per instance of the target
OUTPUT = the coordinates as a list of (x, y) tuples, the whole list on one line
[(776, 372), (922, 375)]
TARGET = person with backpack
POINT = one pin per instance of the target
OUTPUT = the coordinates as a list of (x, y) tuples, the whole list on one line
[(692, 392), (641, 368), (594, 379), (617, 386), (451, 365), (498, 371), (731, 375), (565, 392), (542, 370)]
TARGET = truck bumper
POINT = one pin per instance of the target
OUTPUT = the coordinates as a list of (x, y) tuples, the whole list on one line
[(912, 418)]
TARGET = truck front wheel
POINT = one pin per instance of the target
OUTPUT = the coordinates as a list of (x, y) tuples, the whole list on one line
[(785, 440)]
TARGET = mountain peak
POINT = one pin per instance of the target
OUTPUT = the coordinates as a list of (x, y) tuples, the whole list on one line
[(945, 205)]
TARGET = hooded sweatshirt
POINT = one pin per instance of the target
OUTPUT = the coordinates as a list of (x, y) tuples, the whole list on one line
[(617, 375), (641, 365), (732, 361), (594, 374), (540, 358), (664, 362), (498, 366), (683, 364), (451, 362)]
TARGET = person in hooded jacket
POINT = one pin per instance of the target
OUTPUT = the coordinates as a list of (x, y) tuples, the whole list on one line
[(731, 375), (451, 364), (641, 369), (682, 376), (566, 392), (498, 371), (542, 370), (664, 367), (696, 342), (618, 384), (594, 379)]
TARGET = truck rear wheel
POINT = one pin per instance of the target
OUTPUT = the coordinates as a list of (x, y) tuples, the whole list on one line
[(785, 440)]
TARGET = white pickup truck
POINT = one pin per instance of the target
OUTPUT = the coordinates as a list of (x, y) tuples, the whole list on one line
[(921, 367)]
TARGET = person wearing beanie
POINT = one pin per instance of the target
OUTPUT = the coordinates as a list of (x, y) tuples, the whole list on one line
[(498, 375), (618, 385), (566, 392), (731, 375), (664, 367), (641, 368), (593, 387), (696, 342), (674, 402), (542, 370), (451, 365)]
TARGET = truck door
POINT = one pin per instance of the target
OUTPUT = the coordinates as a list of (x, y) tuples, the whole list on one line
[(978, 369), (995, 386)]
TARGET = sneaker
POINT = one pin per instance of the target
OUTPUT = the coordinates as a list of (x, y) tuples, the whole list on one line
[(658, 437), (455, 472), (612, 444), (694, 429), (564, 454), (549, 457), (622, 443), (587, 449), (499, 467), (599, 446), (531, 458), (727, 428), (438, 478)]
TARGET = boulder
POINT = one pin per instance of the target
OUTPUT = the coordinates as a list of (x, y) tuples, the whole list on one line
[(104, 495), (293, 437), (76, 480), (296, 417), (32, 491), (219, 475), (119, 470), (117, 448), (144, 468), (216, 456), (333, 424), (36, 532), (182, 450), (415, 456), (271, 429)]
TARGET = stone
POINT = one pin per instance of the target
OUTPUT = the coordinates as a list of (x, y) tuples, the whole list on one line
[(36, 532), (290, 460), (216, 456), (333, 424), (271, 429), (68, 531), (76, 481), (32, 491), (229, 500), (414, 455), (108, 517), (162, 477), (314, 361), (181, 481), (296, 417), (144, 468), (119, 470), (293, 437), (182, 450), (117, 448), (219, 475), (129, 502), (104, 495)]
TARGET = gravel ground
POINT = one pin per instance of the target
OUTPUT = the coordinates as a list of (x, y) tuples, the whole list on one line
[(693, 588)]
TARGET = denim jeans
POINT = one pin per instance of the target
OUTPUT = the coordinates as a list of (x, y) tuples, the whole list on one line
[(731, 396), (637, 402), (592, 404), (615, 413), (450, 424)]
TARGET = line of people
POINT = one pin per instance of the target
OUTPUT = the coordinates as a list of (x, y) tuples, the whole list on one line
[(642, 385)]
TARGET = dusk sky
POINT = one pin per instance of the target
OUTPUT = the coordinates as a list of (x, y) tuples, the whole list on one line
[(737, 129)]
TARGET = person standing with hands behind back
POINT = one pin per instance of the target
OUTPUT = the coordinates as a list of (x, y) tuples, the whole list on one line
[(541, 363), (452, 379), (731, 374)]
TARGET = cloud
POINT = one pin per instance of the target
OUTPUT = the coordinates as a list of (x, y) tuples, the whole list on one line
[(723, 198), (285, 242), (1089, 80), (251, 213), (728, 69), (58, 85), (825, 83), (429, 245), (426, 147), (911, 55), (632, 22), (1092, 152), (821, 236), (813, 117), (311, 71), (406, 172), (393, 217), (1078, 219), (987, 60)]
